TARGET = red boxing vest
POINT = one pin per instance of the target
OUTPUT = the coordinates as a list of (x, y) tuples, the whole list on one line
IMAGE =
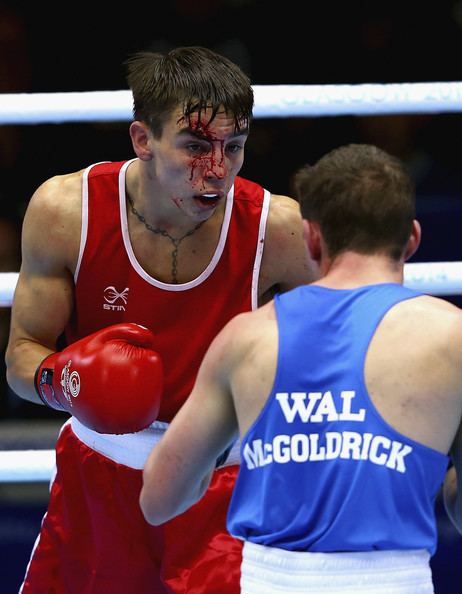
[(112, 287)]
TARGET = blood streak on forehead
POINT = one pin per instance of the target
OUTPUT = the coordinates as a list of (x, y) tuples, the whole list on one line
[(199, 120), (200, 123)]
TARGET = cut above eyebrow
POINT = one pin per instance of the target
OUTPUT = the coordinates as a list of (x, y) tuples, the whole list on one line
[(202, 136)]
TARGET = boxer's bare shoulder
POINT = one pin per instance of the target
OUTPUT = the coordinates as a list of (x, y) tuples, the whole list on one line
[(53, 219)]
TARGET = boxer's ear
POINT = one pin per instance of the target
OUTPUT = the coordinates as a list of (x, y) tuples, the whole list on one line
[(313, 239), (141, 140), (413, 241)]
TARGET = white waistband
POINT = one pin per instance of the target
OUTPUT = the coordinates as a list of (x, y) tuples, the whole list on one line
[(131, 449), (268, 570)]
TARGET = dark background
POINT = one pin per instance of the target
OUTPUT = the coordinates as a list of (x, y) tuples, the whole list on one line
[(81, 47)]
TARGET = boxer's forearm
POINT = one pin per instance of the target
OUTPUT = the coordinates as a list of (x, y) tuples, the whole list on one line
[(22, 359)]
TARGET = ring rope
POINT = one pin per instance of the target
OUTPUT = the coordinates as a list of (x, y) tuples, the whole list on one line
[(26, 465), (436, 278), (271, 101)]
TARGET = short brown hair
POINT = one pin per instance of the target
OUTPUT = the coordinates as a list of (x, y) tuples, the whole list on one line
[(362, 198), (193, 77)]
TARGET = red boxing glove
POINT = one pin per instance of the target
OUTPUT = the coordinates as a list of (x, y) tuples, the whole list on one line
[(111, 381)]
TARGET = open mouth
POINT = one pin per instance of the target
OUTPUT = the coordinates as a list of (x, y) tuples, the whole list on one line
[(208, 199)]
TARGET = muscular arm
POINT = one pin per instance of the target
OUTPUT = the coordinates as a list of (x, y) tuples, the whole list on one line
[(179, 468), (43, 297), (452, 489), (286, 263), (231, 388)]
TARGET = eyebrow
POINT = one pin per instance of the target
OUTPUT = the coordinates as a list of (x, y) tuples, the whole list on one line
[(201, 136)]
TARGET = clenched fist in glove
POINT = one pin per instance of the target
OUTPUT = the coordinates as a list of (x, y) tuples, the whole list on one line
[(111, 381)]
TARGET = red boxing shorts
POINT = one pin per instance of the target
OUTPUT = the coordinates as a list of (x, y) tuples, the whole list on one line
[(94, 538)]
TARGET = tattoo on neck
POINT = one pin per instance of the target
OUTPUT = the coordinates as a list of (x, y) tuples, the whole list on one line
[(176, 241)]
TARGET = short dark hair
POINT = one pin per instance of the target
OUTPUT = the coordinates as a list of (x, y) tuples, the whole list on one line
[(193, 77), (362, 198)]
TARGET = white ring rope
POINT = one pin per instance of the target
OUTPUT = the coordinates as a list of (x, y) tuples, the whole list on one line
[(26, 466), (271, 101), (8, 281), (435, 278)]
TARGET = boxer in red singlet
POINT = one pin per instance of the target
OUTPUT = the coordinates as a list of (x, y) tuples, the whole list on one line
[(176, 242)]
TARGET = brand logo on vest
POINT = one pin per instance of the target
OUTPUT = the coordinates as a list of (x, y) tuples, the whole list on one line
[(115, 301)]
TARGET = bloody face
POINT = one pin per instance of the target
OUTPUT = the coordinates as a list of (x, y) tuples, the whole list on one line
[(196, 160)]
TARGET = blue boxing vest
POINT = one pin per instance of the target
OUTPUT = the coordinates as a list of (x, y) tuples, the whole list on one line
[(321, 470)]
